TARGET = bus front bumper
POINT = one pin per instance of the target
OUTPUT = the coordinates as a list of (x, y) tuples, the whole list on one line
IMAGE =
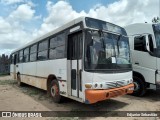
[(93, 96)]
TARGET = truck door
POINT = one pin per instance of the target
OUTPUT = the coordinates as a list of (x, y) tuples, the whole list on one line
[(143, 61)]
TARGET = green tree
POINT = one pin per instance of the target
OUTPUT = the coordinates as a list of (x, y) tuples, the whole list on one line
[(156, 20)]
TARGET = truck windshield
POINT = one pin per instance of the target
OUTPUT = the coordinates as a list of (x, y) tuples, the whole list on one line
[(156, 29), (106, 51)]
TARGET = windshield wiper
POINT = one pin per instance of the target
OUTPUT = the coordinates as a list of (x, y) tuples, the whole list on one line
[(117, 43)]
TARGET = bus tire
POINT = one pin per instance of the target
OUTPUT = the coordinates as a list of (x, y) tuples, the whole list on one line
[(19, 80), (139, 87), (55, 92)]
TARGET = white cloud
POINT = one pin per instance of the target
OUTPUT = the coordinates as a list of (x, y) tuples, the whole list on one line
[(11, 2), (8, 2), (122, 12), (14, 38), (58, 14), (24, 12), (13, 31), (125, 12), (5, 27)]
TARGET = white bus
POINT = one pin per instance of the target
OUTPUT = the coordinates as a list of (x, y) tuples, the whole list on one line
[(87, 60), (145, 52)]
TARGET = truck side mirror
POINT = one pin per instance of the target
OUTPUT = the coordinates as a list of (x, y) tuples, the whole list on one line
[(148, 45)]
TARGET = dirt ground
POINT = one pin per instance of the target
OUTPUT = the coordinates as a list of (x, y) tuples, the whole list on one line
[(28, 98)]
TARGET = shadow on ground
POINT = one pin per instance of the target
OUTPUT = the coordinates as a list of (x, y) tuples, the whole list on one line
[(151, 96)]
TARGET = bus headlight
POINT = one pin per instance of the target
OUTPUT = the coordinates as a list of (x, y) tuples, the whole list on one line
[(88, 85), (130, 81), (101, 85), (95, 85)]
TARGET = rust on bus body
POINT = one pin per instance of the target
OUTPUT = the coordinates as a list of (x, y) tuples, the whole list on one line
[(35, 81)]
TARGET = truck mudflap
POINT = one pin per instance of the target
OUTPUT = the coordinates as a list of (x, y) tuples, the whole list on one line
[(93, 96)]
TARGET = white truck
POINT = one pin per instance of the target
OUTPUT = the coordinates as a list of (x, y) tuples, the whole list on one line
[(144, 40)]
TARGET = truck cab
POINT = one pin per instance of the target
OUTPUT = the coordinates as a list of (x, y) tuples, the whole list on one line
[(144, 40)]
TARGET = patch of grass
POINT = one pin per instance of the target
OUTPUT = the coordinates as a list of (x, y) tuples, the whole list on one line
[(27, 89), (8, 82), (32, 91), (4, 74)]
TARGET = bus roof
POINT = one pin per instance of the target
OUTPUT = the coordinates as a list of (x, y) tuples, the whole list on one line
[(63, 27), (73, 22)]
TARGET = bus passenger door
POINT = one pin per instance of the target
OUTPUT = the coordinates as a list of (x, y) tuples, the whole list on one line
[(74, 58)]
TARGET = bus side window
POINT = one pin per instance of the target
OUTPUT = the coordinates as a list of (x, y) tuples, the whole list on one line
[(26, 55), (150, 43), (33, 53), (140, 43), (43, 50), (11, 56), (15, 57), (21, 56)]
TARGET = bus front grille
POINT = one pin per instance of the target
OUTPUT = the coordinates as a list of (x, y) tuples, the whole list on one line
[(115, 84)]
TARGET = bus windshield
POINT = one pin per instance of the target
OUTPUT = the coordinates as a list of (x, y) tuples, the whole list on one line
[(106, 51)]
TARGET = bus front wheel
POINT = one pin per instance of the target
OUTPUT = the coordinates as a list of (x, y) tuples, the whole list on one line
[(139, 87), (55, 92)]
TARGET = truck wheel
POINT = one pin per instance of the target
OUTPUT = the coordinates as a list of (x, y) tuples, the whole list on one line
[(139, 87), (19, 80), (55, 92)]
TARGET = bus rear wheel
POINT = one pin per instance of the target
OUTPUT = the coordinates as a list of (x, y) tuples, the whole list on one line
[(139, 87), (55, 92)]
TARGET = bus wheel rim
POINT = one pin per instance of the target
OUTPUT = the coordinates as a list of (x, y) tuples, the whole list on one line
[(54, 90)]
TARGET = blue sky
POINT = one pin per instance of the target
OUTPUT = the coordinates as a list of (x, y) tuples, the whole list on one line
[(87, 4), (21, 21), (79, 5), (40, 8)]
